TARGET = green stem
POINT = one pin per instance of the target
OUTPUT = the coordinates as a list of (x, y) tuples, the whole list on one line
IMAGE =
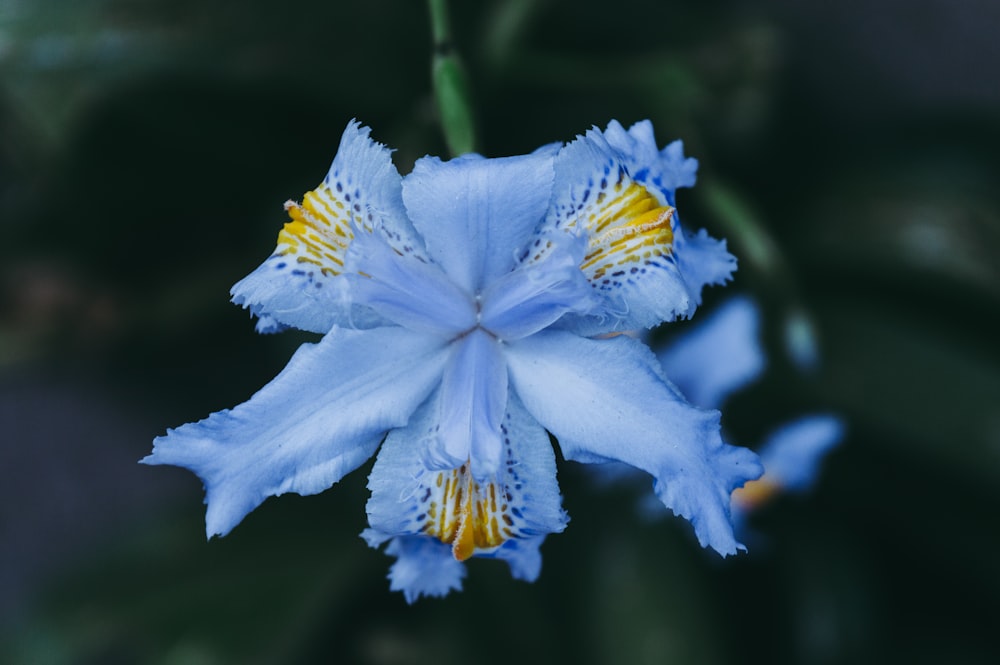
[(450, 88), (440, 24)]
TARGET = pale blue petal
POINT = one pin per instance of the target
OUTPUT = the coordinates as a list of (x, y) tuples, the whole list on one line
[(607, 400), (792, 455), (295, 286), (474, 214), (631, 258), (665, 170), (405, 289), (375, 538), (536, 294), (721, 355), (678, 170), (408, 498), (283, 294), (403, 481), (424, 567), (703, 261), (473, 401), (548, 150), (316, 421), (530, 474)]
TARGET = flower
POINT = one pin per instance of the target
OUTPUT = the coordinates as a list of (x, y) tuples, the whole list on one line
[(718, 357), (722, 355), (459, 308)]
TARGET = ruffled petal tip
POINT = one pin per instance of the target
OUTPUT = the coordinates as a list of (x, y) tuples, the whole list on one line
[(702, 496), (665, 170), (704, 261), (424, 566), (267, 325)]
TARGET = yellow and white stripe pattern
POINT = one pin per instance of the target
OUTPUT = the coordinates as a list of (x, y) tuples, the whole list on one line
[(470, 516), (319, 232), (475, 514), (629, 231)]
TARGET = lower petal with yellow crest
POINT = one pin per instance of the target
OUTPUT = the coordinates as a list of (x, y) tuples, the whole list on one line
[(503, 516)]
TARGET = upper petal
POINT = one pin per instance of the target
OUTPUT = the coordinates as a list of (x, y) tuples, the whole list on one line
[(293, 286), (475, 213), (719, 356), (321, 417), (606, 400)]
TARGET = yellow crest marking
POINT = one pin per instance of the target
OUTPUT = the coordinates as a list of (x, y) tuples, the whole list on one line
[(320, 229), (626, 229), (467, 515)]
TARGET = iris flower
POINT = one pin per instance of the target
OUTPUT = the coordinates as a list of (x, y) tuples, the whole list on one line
[(467, 312), (723, 355)]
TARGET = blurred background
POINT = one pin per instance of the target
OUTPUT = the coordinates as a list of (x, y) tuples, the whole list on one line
[(848, 152)]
